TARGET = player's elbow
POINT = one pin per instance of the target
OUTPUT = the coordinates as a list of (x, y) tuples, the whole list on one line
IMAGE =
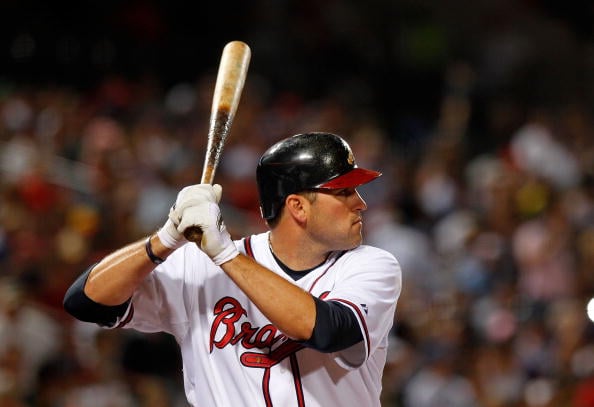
[(83, 308)]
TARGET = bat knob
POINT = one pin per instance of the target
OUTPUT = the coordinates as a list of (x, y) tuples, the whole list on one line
[(193, 234)]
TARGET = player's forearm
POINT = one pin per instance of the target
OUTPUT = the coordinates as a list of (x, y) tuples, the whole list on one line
[(291, 309), (114, 279)]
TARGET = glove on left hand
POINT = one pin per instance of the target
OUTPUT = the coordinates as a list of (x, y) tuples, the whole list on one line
[(197, 205)]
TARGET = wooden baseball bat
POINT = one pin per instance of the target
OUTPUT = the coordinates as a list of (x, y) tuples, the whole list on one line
[(229, 85)]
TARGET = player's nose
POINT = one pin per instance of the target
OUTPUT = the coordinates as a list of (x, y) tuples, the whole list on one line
[(359, 203)]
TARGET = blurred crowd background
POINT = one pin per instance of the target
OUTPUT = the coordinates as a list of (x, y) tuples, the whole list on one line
[(479, 114)]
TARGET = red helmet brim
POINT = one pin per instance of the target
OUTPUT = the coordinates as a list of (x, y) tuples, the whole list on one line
[(355, 177)]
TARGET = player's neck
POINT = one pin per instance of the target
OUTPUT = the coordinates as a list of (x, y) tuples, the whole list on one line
[(297, 254)]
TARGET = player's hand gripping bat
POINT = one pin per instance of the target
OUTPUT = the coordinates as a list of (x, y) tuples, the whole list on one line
[(229, 85)]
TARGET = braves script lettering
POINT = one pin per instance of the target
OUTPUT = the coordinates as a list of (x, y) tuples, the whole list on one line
[(228, 311)]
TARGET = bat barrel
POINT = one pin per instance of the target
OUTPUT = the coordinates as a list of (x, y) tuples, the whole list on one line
[(229, 85)]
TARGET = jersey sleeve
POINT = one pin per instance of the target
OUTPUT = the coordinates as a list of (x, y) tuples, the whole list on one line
[(368, 282), (164, 300)]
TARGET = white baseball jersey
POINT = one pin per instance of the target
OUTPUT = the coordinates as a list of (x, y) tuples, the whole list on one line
[(233, 356)]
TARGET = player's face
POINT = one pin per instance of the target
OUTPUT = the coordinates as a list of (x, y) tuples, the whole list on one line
[(335, 218)]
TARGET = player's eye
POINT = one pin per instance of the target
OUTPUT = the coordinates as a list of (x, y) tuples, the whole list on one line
[(346, 192)]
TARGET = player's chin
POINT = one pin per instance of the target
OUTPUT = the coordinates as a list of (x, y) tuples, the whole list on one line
[(356, 240), (358, 228), (349, 242), (348, 246), (358, 243)]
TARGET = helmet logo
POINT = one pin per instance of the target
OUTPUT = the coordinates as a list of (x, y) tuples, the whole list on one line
[(351, 158)]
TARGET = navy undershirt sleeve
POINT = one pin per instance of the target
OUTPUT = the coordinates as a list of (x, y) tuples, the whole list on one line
[(77, 304), (336, 327)]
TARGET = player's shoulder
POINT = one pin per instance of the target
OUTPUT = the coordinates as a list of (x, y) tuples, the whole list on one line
[(371, 252), (370, 263), (252, 242), (370, 256)]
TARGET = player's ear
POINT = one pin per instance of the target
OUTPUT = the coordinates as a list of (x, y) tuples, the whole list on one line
[(298, 207)]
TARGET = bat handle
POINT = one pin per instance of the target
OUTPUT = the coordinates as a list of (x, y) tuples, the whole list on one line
[(193, 234)]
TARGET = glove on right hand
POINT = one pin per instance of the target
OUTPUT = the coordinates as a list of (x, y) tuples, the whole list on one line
[(197, 205)]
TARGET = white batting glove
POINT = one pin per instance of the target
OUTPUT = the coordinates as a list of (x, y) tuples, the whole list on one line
[(197, 205), (169, 236)]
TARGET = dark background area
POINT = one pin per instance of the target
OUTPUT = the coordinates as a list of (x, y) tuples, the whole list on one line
[(390, 55), (479, 113)]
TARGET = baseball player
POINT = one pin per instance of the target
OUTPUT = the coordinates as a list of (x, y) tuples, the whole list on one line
[(296, 316)]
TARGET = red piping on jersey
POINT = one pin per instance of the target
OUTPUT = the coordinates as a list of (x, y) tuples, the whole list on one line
[(325, 271), (289, 348), (128, 318), (365, 329), (247, 244), (266, 387), (297, 380)]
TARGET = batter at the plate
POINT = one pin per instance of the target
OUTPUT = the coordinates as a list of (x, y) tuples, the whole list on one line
[(296, 316)]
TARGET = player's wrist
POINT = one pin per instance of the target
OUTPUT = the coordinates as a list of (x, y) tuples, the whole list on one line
[(169, 236), (155, 250), (228, 253), (148, 248)]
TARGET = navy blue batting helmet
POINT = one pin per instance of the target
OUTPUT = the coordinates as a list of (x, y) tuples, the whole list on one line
[(306, 161)]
